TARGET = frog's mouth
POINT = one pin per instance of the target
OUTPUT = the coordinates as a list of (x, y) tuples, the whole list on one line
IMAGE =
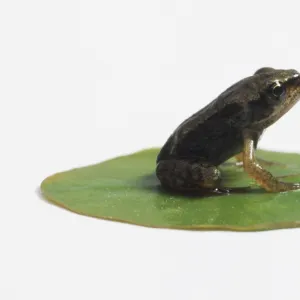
[(293, 95)]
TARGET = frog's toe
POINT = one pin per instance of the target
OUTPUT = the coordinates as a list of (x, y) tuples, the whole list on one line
[(296, 186)]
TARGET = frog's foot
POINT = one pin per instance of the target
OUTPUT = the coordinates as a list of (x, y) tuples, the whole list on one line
[(268, 181), (286, 186), (183, 175)]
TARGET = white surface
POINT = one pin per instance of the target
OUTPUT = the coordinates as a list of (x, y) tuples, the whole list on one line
[(82, 81)]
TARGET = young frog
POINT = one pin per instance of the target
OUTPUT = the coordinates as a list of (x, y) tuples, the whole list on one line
[(230, 126)]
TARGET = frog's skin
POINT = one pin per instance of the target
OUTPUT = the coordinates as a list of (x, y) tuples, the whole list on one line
[(230, 126)]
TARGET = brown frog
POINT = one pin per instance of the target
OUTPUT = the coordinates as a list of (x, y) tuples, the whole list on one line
[(230, 126)]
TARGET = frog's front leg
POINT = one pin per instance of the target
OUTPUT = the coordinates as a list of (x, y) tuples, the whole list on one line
[(265, 163), (185, 175), (255, 170)]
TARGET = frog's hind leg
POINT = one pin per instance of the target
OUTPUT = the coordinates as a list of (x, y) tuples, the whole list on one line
[(183, 175)]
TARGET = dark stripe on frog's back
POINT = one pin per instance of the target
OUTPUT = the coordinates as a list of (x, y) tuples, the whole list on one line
[(215, 140)]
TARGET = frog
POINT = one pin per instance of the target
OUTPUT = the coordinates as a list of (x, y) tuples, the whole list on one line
[(229, 127)]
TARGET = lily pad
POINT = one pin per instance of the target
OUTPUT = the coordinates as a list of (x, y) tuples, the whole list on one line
[(126, 189)]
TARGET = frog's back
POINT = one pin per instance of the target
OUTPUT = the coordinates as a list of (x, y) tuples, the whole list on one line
[(213, 134)]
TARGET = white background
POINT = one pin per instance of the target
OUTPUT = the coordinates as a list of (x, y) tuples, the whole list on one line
[(83, 81)]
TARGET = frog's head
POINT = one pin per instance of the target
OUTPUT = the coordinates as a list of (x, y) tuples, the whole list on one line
[(278, 91)]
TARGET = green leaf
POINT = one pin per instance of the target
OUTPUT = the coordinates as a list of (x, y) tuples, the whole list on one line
[(126, 189)]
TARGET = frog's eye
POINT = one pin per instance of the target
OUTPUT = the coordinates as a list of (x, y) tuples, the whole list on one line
[(278, 90)]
